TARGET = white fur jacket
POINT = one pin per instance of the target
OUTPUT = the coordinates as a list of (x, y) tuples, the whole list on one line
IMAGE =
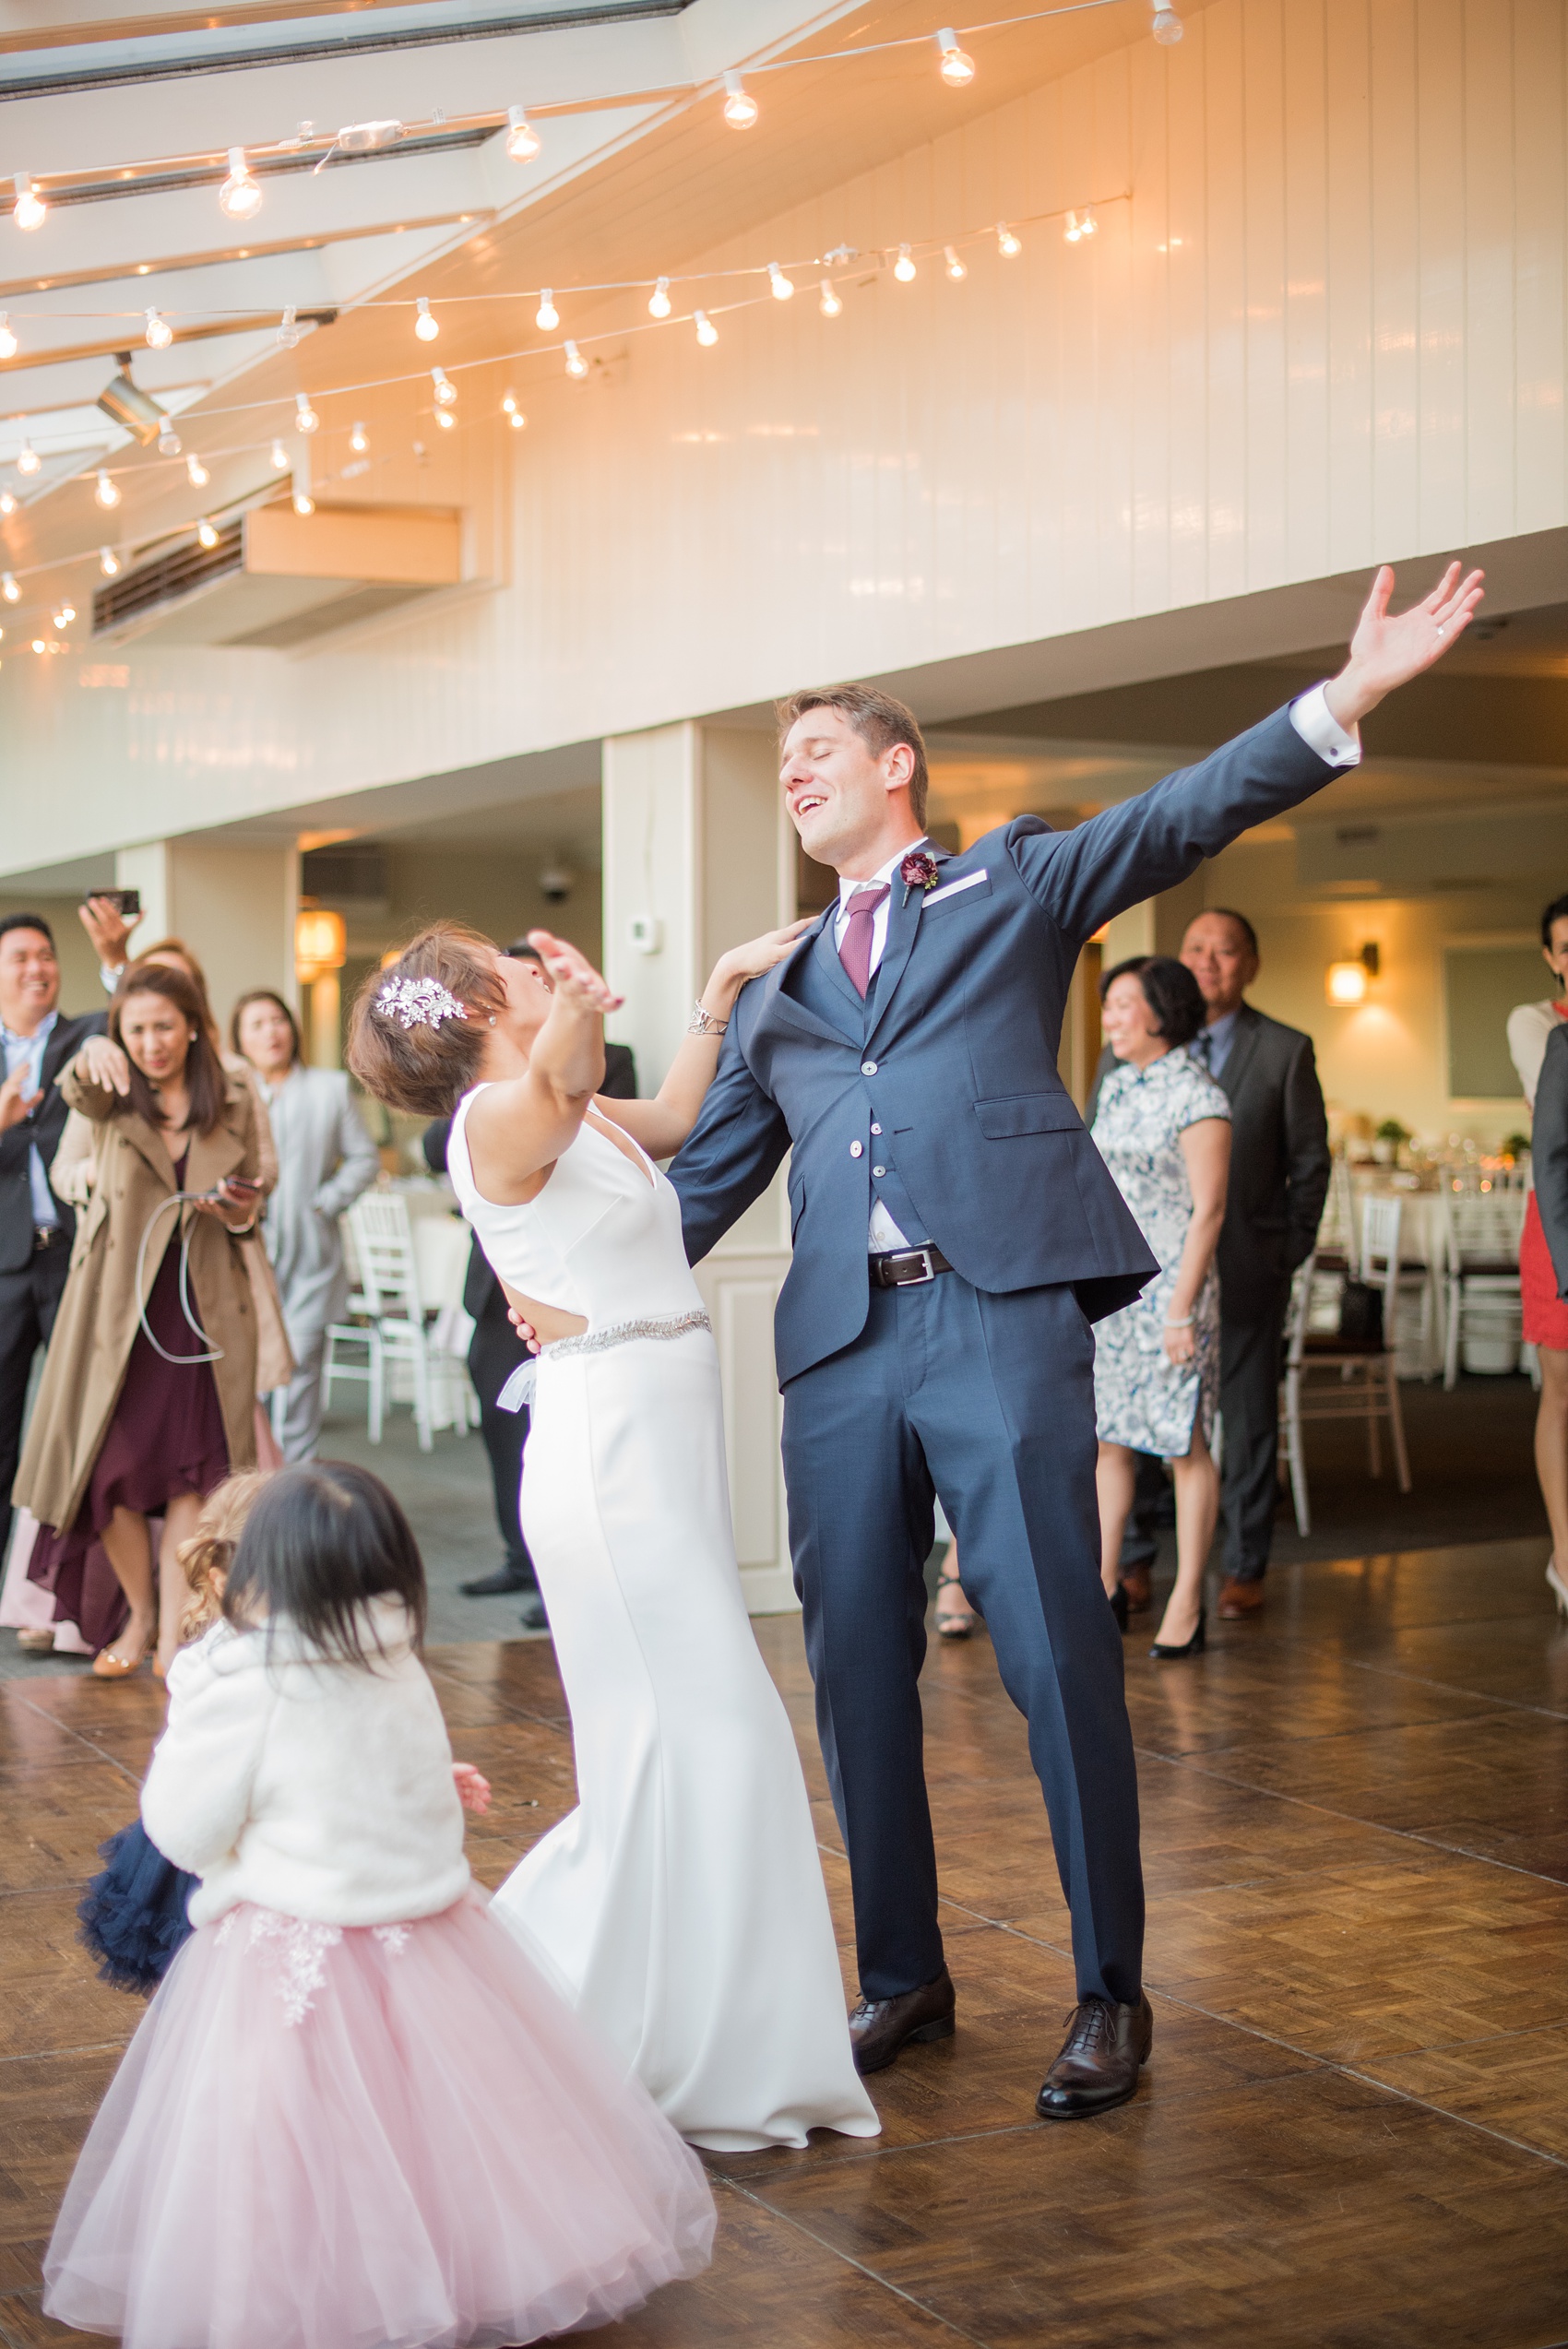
[(320, 1790)]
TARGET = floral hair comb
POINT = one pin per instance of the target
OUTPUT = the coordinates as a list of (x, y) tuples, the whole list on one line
[(418, 1002)]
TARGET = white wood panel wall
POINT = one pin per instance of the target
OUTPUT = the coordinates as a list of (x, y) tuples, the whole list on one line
[(1323, 322)]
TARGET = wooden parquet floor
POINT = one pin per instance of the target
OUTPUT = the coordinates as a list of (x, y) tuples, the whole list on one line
[(1353, 2134)]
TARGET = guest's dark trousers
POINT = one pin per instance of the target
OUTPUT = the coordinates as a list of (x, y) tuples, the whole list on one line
[(1250, 1356), (30, 1298), (494, 1352), (988, 1400)]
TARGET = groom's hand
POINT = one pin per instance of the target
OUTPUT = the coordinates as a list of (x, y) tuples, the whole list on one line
[(525, 1330), (1387, 652)]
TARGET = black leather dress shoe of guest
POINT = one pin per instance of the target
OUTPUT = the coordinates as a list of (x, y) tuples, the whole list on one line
[(501, 1585), (881, 2028), (533, 1616), (1099, 2062)]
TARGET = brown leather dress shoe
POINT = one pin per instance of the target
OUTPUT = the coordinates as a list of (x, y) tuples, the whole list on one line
[(1238, 1600), (1135, 1583), (1099, 2062), (881, 2028)]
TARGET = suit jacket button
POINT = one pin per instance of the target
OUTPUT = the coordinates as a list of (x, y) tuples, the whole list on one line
[(868, 1068), (879, 1170), (855, 1150), (876, 1129)]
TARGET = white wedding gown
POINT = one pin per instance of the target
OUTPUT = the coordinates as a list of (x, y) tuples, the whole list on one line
[(681, 1903)]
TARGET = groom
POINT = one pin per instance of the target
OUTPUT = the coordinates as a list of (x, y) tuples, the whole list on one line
[(955, 1233)]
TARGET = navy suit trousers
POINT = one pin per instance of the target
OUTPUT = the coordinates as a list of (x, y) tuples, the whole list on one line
[(988, 1400)]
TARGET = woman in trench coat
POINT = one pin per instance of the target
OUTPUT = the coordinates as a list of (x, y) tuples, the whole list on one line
[(149, 1392)]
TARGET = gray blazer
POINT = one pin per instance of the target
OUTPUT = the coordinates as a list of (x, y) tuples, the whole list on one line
[(1548, 1152), (1279, 1159), (324, 1159)]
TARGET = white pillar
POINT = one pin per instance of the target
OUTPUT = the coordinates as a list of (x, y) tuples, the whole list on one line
[(234, 907), (698, 857)]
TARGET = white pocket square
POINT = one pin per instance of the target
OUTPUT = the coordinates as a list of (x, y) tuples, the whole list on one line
[(969, 881)]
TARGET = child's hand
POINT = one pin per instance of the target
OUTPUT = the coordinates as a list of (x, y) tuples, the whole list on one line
[(473, 1789)]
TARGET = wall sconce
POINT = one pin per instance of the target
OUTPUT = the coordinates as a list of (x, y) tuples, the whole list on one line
[(320, 945), (1346, 984)]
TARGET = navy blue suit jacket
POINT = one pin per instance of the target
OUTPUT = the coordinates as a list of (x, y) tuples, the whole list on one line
[(953, 1056)]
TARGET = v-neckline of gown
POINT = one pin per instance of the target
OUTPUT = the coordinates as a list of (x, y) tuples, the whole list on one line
[(600, 1127)]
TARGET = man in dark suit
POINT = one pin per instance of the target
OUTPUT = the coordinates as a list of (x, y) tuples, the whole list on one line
[(955, 1234), (495, 1351), (1280, 1168), (36, 1228)]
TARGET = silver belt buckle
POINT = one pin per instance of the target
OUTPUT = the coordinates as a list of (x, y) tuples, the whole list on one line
[(921, 1278)]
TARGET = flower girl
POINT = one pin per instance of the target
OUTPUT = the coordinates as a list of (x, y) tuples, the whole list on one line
[(393, 2131)]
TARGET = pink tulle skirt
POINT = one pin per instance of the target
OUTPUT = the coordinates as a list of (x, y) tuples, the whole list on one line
[(368, 2138)]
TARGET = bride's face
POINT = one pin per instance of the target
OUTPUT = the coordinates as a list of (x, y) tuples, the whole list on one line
[(526, 988)]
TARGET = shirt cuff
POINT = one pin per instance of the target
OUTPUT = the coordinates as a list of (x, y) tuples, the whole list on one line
[(112, 977), (1322, 732)]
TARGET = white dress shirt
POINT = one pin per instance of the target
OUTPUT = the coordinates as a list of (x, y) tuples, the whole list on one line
[(27, 1051)]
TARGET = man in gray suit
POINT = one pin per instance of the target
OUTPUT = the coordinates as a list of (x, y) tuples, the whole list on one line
[(1279, 1166)]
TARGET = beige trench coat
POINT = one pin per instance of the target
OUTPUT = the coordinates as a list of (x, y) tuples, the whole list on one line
[(99, 1312)]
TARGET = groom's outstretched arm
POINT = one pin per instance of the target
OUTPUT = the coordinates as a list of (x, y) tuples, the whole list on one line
[(1150, 843), (731, 1154)]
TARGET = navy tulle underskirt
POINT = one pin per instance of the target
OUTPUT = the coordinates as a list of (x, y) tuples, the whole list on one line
[(133, 1915)]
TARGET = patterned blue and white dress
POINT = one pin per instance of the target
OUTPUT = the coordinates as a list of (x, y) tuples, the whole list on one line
[(1141, 1397)]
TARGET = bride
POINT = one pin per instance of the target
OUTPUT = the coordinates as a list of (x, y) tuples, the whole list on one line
[(682, 1902)]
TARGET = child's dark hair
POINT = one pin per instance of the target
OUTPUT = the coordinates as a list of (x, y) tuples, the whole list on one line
[(319, 1542)]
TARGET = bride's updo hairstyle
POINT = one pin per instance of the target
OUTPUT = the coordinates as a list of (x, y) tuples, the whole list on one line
[(416, 1031)]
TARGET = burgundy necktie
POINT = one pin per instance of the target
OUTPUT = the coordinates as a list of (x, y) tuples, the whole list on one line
[(854, 950)]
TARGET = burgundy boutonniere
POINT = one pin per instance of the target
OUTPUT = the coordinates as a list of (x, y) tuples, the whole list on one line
[(918, 872)]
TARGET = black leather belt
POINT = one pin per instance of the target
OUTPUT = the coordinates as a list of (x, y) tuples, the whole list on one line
[(906, 1267)]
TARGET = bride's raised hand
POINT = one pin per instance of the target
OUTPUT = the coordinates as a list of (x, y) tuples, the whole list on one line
[(572, 975)]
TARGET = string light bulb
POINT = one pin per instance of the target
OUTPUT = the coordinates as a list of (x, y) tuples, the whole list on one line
[(576, 365), (517, 420), (740, 110), (1167, 27), (287, 330), (1008, 243), (955, 269), (27, 458), (306, 418), (109, 562), (547, 318), (7, 502), (29, 210), (445, 419), (8, 588), (1072, 232), (522, 140), (830, 304), (303, 503), (446, 390), (658, 300), (108, 491), (425, 327), (958, 69), (511, 412), (168, 440), (904, 268), (707, 333), (239, 194), (280, 457), (160, 333), (199, 476), (783, 287), (64, 616), (359, 440), (1087, 224), (7, 337), (206, 533)]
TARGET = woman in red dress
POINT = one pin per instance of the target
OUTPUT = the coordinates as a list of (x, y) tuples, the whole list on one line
[(1544, 1311)]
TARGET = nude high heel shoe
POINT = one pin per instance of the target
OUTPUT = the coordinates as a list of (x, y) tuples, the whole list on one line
[(1558, 1586)]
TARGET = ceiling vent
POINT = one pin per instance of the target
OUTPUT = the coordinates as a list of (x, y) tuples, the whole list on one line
[(277, 578)]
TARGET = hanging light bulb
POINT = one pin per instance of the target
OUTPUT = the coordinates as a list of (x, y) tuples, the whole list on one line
[(199, 476), (904, 268), (207, 534), (8, 588), (522, 139), (740, 111), (108, 491), (446, 390), (955, 269), (517, 420), (445, 419), (1007, 245), (782, 287), (66, 613), (280, 457), (1087, 224), (109, 562), (830, 304), (707, 333), (160, 333), (1072, 232), (306, 418), (359, 440), (168, 441), (1167, 25), (658, 300), (957, 69), (288, 331), (303, 502), (547, 318), (576, 365), (239, 194), (27, 458), (7, 502), (7, 338), (425, 325), (29, 209)]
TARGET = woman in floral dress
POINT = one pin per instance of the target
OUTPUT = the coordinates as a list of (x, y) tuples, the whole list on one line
[(1163, 1128)]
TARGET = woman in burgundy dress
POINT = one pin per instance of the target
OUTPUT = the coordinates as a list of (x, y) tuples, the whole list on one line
[(147, 1395)]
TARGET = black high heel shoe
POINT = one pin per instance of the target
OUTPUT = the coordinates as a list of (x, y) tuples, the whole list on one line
[(1119, 1606), (1194, 1646)]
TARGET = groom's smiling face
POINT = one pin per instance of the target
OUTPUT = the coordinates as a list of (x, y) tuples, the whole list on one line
[(842, 798)]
